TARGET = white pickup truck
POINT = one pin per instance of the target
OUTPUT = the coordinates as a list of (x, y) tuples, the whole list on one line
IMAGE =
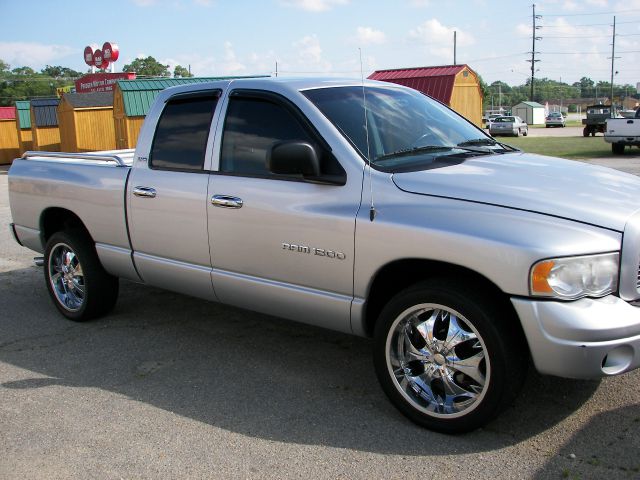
[(370, 209), (622, 132)]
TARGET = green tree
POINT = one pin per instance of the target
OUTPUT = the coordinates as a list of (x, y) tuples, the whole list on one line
[(4, 66), (181, 72), (23, 71), (59, 72), (148, 67)]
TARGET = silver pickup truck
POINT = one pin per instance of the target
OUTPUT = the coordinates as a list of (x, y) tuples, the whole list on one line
[(366, 208), (622, 132)]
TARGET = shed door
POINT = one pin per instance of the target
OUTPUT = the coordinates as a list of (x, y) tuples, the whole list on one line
[(121, 133)]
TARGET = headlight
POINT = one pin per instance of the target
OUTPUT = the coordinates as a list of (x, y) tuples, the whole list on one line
[(574, 277)]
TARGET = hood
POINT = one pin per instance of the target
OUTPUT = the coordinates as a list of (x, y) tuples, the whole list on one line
[(552, 186)]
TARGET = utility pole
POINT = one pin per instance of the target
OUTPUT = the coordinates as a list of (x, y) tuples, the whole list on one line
[(533, 60), (454, 47), (613, 58), (276, 69)]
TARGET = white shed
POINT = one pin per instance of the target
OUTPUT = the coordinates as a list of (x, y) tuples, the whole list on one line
[(531, 112)]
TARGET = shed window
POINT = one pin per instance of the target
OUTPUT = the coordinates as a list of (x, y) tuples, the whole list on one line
[(181, 136)]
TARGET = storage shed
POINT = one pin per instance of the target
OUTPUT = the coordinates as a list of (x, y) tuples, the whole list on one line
[(44, 124), (23, 125), (86, 122), (531, 112), (454, 85), (132, 99), (9, 146)]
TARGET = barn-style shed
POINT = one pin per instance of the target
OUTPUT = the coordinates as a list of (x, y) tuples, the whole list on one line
[(86, 122), (23, 125), (9, 146), (132, 99), (455, 85), (44, 124)]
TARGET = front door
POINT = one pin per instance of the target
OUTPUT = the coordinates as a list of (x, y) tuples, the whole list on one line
[(280, 245)]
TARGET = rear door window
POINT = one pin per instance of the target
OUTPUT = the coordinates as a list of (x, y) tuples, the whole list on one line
[(181, 136)]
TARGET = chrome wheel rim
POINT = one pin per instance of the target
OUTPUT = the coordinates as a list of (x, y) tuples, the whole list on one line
[(438, 361), (66, 277)]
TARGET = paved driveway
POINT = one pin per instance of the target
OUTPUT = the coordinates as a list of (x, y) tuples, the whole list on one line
[(173, 387)]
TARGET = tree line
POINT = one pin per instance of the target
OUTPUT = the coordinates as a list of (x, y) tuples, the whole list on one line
[(499, 93), (25, 83)]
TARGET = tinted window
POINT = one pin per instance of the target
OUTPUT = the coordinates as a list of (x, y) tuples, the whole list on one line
[(252, 126), (181, 135)]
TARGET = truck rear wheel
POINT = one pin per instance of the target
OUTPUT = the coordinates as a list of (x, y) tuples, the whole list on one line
[(585, 132), (447, 357), (617, 148), (78, 284)]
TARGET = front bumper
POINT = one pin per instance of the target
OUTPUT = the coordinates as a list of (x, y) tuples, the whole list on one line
[(587, 338)]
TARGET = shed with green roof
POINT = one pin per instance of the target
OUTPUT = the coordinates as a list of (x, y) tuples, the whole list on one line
[(531, 112), (23, 125), (133, 98)]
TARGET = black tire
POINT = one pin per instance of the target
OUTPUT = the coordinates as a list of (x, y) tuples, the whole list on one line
[(78, 285), (617, 148), (585, 132), (479, 315), (525, 133)]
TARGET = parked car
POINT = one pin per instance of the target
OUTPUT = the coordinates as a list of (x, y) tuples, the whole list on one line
[(508, 125), (554, 119), (487, 121)]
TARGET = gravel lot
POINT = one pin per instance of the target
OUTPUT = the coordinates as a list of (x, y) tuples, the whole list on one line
[(169, 386)]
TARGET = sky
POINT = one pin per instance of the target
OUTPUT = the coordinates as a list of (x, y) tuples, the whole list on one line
[(328, 37)]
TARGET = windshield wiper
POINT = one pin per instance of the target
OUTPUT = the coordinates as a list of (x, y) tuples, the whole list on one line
[(489, 142), (411, 151), (478, 141)]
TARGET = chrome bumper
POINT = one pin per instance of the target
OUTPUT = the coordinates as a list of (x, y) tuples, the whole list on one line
[(581, 339)]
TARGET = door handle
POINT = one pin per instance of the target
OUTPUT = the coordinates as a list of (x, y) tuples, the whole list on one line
[(226, 201), (147, 192)]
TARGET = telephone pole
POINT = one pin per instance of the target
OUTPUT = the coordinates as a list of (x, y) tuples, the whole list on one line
[(454, 47), (613, 58), (533, 60)]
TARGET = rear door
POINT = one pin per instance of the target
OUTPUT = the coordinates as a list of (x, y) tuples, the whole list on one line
[(280, 244), (168, 200)]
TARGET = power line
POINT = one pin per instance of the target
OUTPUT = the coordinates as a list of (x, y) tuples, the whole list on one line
[(587, 14)]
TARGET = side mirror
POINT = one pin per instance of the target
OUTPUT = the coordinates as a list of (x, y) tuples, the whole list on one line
[(293, 158)]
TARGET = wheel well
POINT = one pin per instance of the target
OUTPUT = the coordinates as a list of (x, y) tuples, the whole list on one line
[(396, 276), (57, 219)]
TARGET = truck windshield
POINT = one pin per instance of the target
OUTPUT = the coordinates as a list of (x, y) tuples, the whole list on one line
[(405, 127)]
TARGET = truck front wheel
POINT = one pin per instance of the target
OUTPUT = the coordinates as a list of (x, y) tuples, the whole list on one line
[(447, 357), (78, 284)]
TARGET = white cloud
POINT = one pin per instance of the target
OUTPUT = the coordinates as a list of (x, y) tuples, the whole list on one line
[(419, 3), (313, 5), (34, 55), (437, 39), (145, 3), (369, 36), (203, 3), (310, 53)]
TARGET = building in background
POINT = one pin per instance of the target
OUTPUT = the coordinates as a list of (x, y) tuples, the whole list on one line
[(9, 145), (86, 122), (532, 113), (44, 124), (454, 85)]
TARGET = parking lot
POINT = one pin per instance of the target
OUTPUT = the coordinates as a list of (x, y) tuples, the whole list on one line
[(169, 386)]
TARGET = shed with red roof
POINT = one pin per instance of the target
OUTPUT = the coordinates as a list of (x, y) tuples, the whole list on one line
[(9, 146), (457, 86)]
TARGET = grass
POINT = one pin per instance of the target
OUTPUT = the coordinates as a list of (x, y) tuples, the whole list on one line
[(573, 148)]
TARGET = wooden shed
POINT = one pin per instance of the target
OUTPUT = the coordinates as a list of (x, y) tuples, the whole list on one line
[(9, 146), (44, 124), (23, 125), (86, 122), (133, 98), (455, 85)]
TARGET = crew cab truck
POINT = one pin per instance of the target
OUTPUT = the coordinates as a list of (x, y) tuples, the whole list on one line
[(622, 132), (366, 208)]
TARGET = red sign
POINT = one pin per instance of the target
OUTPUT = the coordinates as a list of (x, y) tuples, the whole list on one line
[(101, 82), (110, 52), (88, 55)]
